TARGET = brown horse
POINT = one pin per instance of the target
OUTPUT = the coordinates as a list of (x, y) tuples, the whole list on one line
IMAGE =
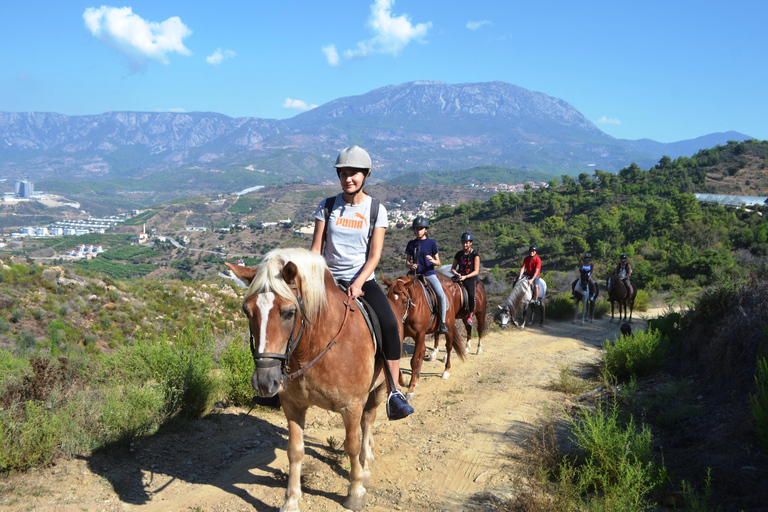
[(617, 292), (313, 347), (411, 305)]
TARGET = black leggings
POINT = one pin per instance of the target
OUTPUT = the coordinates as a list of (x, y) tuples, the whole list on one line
[(471, 285), (380, 304)]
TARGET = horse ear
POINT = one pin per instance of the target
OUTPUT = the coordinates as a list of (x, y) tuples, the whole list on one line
[(387, 282), (245, 274), (290, 271)]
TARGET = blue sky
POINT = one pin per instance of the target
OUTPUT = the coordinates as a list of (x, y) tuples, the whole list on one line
[(665, 70)]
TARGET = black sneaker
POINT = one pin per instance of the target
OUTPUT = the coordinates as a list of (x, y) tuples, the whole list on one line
[(443, 329), (397, 406), (273, 402)]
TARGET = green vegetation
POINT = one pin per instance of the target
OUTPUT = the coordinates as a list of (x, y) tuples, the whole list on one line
[(484, 174), (758, 403)]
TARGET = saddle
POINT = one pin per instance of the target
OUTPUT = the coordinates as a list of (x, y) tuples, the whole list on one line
[(464, 307), (374, 327), (593, 287)]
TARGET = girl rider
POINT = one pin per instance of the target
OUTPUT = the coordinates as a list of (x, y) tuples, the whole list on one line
[(421, 257), (352, 257), (466, 265)]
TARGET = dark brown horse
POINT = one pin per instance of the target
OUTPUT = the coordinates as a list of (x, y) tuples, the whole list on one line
[(313, 347), (618, 293), (585, 292), (411, 305)]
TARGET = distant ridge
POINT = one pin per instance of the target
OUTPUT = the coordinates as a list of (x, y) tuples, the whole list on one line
[(411, 127)]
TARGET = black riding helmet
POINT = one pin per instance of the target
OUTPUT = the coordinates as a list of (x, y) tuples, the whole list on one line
[(587, 254), (623, 256), (533, 248), (420, 222), (467, 237)]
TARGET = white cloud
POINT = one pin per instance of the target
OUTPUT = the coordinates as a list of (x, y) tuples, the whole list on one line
[(606, 120), (219, 55), (331, 54), (297, 105), (475, 25), (391, 33), (140, 41), (175, 110)]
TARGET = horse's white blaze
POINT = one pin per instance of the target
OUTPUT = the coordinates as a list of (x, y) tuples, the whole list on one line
[(264, 303)]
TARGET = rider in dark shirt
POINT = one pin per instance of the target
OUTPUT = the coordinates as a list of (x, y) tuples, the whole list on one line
[(466, 267)]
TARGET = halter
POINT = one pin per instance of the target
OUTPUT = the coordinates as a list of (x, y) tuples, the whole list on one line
[(293, 341)]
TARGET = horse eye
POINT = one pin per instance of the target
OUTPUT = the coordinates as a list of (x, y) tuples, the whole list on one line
[(289, 314)]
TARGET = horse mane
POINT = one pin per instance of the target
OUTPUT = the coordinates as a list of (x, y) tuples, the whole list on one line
[(516, 295), (312, 268)]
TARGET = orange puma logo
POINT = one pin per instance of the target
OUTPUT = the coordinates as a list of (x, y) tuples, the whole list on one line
[(364, 219)]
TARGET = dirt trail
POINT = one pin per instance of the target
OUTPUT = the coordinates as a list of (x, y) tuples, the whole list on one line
[(456, 453)]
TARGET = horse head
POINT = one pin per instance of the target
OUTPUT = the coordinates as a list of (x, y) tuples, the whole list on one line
[(400, 293), (286, 294)]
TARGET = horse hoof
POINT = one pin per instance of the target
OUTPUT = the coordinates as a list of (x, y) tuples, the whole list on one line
[(355, 503), (479, 351), (446, 375), (409, 397)]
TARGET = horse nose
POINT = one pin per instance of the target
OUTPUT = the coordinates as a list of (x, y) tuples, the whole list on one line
[(267, 381)]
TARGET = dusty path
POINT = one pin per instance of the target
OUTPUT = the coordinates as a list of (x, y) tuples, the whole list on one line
[(456, 453)]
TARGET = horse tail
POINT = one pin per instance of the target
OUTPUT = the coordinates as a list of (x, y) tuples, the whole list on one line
[(458, 345)]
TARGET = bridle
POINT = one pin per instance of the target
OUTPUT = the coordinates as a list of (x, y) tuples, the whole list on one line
[(409, 303), (275, 359)]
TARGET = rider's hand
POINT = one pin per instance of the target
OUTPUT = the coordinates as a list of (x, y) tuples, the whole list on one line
[(354, 291)]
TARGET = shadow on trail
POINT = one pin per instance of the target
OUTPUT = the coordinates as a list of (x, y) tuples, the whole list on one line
[(215, 451)]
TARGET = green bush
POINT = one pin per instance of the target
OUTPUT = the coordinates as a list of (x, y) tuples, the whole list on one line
[(642, 301), (758, 403), (616, 461), (237, 362), (131, 411), (28, 439), (560, 307), (602, 307), (635, 355)]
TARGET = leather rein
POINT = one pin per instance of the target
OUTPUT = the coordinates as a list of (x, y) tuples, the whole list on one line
[(274, 359)]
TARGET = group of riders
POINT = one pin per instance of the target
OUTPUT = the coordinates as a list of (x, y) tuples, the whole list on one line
[(349, 234)]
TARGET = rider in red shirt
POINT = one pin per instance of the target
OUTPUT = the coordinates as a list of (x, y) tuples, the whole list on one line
[(532, 269)]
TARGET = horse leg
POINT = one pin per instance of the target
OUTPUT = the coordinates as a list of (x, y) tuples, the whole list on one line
[(419, 349), (296, 418), (448, 350), (543, 310), (375, 398), (584, 308), (468, 327), (576, 314), (352, 421)]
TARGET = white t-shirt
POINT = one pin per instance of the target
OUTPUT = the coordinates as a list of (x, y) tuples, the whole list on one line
[(347, 237)]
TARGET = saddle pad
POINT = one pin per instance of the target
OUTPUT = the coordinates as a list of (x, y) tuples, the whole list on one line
[(368, 314)]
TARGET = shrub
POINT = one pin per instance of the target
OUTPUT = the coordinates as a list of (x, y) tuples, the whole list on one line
[(237, 361), (29, 438), (642, 300), (131, 411), (758, 403), (602, 307), (616, 461), (635, 355), (560, 307), (4, 326), (16, 315)]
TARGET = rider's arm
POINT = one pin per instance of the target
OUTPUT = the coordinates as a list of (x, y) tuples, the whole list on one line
[(435, 260), (454, 266), (317, 238)]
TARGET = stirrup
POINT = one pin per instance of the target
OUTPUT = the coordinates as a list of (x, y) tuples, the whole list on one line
[(397, 406)]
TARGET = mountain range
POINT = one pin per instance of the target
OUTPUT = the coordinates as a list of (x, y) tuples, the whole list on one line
[(415, 126)]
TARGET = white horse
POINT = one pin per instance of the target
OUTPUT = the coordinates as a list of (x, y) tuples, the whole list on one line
[(520, 296), (587, 297)]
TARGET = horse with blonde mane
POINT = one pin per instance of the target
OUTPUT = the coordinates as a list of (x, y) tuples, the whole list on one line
[(312, 346)]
